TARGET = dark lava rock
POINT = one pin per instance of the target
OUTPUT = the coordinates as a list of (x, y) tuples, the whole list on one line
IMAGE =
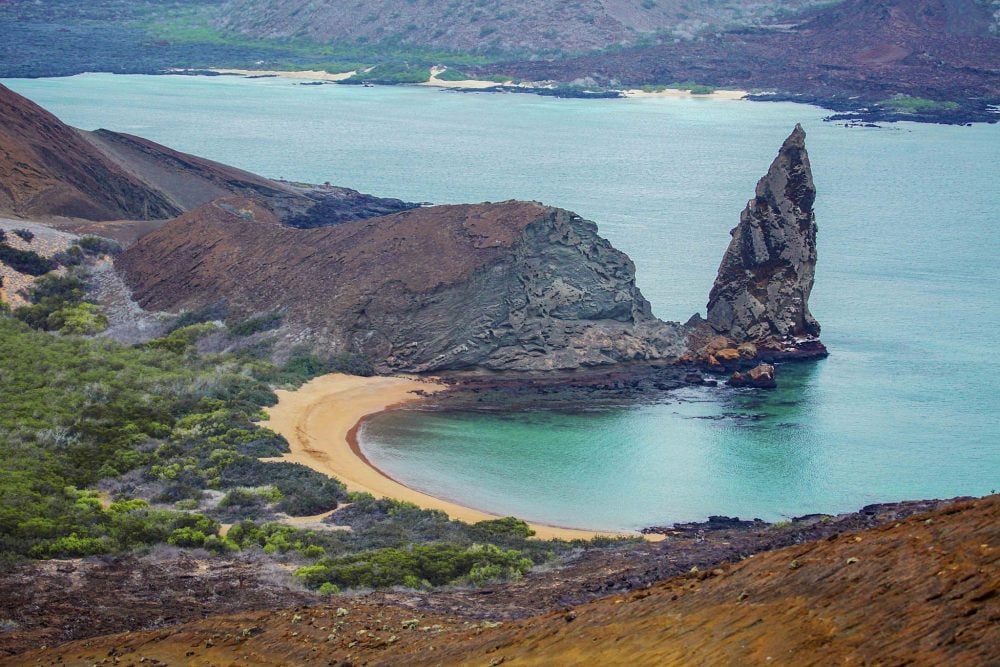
[(761, 294), (512, 286)]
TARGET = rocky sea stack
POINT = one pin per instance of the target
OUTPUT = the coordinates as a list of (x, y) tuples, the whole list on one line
[(761, 294)]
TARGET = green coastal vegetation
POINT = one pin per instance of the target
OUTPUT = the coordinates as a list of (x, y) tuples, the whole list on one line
[(110, 448), (392, 73), (690, 86), (907, 104)]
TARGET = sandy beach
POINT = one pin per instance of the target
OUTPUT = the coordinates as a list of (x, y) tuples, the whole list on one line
[(311, 75), (320, 421), (470, 84)]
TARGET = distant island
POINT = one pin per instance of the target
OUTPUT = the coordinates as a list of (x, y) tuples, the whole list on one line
[(926, 60)]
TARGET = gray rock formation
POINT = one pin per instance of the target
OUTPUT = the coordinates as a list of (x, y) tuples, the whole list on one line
[(514, 286), (761, 294)]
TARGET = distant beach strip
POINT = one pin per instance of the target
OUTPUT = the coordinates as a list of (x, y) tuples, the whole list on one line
[(477, 84)]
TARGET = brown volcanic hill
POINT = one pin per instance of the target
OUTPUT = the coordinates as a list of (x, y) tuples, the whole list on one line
[(517, 285), (921, 591), (48, 168)]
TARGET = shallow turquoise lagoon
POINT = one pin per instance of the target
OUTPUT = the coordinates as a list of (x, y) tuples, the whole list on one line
[(908, 284)]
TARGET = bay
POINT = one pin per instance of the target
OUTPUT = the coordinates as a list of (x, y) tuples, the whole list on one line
[(907, 287)]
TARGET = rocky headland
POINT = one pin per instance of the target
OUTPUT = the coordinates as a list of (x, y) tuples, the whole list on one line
[(516, 288)]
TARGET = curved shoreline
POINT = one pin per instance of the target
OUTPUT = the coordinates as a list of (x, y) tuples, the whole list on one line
[(321, 421)]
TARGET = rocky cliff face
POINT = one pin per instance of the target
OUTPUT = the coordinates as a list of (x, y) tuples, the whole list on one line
[(515, 286), (761, 294)]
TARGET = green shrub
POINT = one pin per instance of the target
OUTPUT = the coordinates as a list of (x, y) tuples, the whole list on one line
[(304, 491), (83, 319), (96, 246), (219, 545), (25, 261), (392, 73), (182, 339), (417, 566), (50, 295), (908, 104), (210, 313), (187, 537), (71, 546), (304, 366), (452, 75), (506, 529), (256, 324), (71, 256)]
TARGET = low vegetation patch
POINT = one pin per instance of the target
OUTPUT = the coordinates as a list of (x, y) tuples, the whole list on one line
[(25, 261), (249, 327), (392, 73), (57, 305), (452, 75), (418, 566), (907, 104)]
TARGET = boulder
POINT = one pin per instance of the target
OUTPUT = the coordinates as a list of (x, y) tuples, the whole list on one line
[(761, 377)]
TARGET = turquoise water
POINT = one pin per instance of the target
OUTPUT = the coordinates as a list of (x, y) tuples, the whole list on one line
[(908, 285)]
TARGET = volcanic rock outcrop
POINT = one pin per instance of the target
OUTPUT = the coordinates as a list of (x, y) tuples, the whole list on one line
[(761, 294), (514, 286)]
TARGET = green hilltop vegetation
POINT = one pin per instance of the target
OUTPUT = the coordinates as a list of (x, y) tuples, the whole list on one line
[(108, 448)]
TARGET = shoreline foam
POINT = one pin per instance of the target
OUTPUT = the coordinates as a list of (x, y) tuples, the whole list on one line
[(321, 420)]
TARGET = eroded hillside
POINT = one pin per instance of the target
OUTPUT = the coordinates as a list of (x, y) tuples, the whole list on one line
[(920, 591), (492, 26)]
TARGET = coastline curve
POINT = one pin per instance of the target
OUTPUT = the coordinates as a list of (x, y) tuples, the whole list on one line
[(321, 420)]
